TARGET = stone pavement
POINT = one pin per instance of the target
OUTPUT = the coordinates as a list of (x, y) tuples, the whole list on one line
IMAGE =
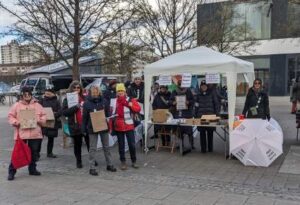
[(163, 178)]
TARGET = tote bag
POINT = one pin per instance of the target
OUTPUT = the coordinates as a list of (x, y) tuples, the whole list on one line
[(21, 155)]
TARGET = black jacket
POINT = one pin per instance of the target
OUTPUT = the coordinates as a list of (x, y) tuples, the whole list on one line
[(259, 100), (161, 101), (206, 103), (135, 91), (70, 113), (89, 106), (110, 93), (184, 113), (55, 105)]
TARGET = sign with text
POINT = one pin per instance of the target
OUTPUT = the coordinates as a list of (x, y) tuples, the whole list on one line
[(212, 78), (73, 99), (186, 80), (181, 102), (165, 80)]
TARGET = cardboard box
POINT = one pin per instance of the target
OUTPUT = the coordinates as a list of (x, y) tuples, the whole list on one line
[(189, 121), (27, 119), (210, 118), (160, 115), (197, 121), (99, 122)]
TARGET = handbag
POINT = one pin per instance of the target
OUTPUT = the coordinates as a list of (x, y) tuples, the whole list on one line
[(21, 155), (66, 129)]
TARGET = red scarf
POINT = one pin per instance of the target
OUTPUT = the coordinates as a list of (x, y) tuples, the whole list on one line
[(79, 112)]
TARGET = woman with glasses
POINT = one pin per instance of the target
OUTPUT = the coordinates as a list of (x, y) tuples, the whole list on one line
[(74, 119), (257, 102), (32, 136)]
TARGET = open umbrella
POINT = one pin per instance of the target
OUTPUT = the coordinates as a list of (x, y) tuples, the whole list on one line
[(257, 142)]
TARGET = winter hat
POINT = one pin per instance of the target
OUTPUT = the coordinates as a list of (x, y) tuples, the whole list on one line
[(203, 82), (120, 87), (50, 90)]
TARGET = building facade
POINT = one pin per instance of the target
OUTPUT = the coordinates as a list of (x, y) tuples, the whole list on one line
[(274, 28)]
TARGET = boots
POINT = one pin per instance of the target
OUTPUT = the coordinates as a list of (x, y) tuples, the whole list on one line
[(93, 172), (111, 168), (33, 171), (123, 166), (11, 173)]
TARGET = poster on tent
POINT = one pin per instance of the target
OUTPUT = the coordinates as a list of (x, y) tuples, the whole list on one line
[(186, 80), (165, 80), (212, 78)]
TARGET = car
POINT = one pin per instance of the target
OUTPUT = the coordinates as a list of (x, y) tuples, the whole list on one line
[(4, 87), (15, 89)]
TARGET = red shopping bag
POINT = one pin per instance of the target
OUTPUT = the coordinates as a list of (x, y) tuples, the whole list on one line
[(21, 155)]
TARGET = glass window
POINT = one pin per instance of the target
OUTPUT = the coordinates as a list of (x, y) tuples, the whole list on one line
[(293, 25), (41, 86), (31, 82)]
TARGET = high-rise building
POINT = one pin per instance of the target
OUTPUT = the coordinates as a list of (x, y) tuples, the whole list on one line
[(14, 53), (274, 28)]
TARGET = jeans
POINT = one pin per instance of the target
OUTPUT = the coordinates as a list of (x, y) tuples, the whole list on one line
[(208, 133), (93, 148), (131, 144), (34, 145), (78, 145)]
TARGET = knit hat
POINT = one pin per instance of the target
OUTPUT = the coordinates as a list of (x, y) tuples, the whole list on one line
[(50, 90), (203, 82), (120, 87)]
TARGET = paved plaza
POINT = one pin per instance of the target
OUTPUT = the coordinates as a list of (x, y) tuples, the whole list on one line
[(163, 178)]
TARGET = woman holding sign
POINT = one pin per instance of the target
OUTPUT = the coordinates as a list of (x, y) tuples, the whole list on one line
[(123, 125), (27, 116), (95, 103), (72, 110)]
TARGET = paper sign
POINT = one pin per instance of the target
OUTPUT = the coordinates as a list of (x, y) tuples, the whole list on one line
[(27, 119), (186, 80), (142, 108), (212, 78), (165, 80), (181, 102), (98, 121), (113, 104), (72, 99)]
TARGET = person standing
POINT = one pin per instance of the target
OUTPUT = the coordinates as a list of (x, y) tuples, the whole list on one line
[(110, 93), (207, 103), (257, 102), (32, 136), (50, 100), (295, 95), (123, 124), (74, 119), (183, 113), (95, 102)]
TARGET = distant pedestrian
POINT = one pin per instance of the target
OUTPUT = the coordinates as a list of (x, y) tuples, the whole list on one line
[(123, 124), (32, 136), (50, 100), (74, 119), (257, 102), (96, 102), (295, 94)]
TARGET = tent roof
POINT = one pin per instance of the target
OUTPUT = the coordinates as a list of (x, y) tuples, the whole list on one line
[(198, 61)]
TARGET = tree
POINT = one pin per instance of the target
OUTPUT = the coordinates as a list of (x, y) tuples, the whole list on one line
[(224, 30), (169, 26), (69, 27)]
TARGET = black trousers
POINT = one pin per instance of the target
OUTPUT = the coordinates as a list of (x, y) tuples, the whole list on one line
[(206, 133), (131, 144), (34, 145), (78, 145), (50, 145)]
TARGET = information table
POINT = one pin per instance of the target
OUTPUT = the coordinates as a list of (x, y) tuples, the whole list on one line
[(223, 127)]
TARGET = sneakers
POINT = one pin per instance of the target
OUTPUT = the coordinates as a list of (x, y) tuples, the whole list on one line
[(35, 173), (123, 166), (134, 165), (11, 176), (51, 155), (93, 172), (111, 168)]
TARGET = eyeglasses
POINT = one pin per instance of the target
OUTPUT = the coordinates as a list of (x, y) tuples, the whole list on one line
[(257, 83), (76, 87)]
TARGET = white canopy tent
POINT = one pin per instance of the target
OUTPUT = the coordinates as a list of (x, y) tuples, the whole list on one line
[(199, 61)]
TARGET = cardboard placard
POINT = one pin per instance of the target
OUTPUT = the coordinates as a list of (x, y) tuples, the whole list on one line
[(50, 119), (181, 102), (160, 115), (73, 99), (27, 119), (98, 121)]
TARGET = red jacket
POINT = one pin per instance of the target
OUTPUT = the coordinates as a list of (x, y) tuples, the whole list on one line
[(120, 124)]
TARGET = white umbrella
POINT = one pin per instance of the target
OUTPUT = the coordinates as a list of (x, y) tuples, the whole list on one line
[(257, 142)]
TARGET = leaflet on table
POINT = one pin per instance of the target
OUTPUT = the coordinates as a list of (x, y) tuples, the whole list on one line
[(186, 81), (73, 99)]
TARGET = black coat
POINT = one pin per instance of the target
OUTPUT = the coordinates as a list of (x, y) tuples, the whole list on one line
[(185, 113), (161, 101), (259, 100), (135, 91), (89, 106), (70, 114), (206, 103), (109, 94), (55, 105)]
